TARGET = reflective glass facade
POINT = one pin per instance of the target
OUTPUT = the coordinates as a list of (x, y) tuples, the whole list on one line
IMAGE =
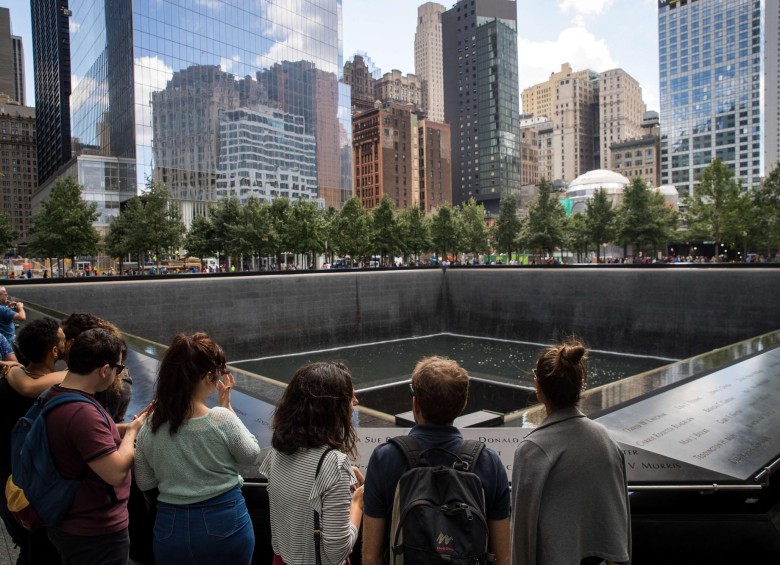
[(711, 81), (481, 99), (207, 95)]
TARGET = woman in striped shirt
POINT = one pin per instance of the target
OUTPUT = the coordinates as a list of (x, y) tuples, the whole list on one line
[(313, 424)]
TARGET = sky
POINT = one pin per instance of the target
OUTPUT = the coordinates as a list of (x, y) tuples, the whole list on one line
[(595, 34)]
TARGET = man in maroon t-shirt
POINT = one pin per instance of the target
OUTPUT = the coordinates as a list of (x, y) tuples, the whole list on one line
[(86, 443)]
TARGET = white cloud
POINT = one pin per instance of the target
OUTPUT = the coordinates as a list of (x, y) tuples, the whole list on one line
[(575, 45), (210, 3), (227, 65), (585, 7), (151, 75), (73, 26)]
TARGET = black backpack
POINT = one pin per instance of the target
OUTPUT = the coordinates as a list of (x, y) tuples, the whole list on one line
[(439, 512)]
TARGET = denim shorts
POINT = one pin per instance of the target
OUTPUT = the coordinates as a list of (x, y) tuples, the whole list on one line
[(218, 529)]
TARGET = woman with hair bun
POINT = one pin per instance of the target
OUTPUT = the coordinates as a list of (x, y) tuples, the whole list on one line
[(190, 453), (309, 471), (569, 497)]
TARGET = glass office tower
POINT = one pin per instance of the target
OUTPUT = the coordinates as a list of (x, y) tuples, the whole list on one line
[(214, 98), (711, 80), (482, 100)]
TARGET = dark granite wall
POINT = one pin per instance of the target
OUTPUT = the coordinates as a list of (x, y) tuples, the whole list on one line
[(674, 312), (262, 315)]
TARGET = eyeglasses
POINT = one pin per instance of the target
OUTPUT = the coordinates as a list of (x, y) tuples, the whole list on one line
[(411, 390), (118, 366)]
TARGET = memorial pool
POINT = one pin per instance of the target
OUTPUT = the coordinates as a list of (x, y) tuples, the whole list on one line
[(490, 359)]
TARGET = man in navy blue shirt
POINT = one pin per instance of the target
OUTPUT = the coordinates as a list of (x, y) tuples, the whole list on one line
[(439, 393)]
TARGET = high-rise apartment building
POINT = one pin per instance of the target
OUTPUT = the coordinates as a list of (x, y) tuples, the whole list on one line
[(481, 99), (51, 58), (428, 59), (11, 60), (18, 163), (399, 154), (539, 99), (575, 128), (621, 109), (711, 77), (157, 87)]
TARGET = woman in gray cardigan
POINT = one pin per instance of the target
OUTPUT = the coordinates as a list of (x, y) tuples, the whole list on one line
[(569, 498)]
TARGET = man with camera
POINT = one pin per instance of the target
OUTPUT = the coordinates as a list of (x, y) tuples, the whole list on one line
[(10, 312)]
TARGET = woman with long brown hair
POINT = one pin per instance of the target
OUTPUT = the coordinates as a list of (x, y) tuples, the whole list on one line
[(190, 453), (569, 495), (309, 468)]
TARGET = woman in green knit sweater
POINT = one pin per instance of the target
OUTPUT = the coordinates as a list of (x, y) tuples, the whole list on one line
[(190, 453)]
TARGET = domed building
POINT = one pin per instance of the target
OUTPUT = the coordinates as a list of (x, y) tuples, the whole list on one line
[(670, 194), (584, 187)]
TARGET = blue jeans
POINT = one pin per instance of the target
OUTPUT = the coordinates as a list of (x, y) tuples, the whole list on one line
[(218, 530)]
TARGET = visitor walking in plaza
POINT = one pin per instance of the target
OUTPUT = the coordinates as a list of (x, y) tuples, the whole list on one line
[(190, 453), (569, 495), (309, 469)]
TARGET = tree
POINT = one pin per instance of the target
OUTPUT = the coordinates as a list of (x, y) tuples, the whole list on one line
[(228, 228), (385, 228), (507, 227), (546, 217), (642, 218), (117, 238), (306, 230), (353, 231), (160, 221), (8, 235), (474, 230), (577, 237), (200, 239), (599, 220), (445, 231), (414, 228), (280, 221), (766, 203), (711, 212), (63, 227)]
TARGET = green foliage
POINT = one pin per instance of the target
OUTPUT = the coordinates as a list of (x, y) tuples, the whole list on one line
[(414, 228), (599, 221), (642, 218), (507, 227), (8, 235), (577, 235), (765, 212), (229, 236), (713, 212), (279, 212), (445, 231), (306, 229), (200, 239), (63, 227), (352, 229), (546, 219), (385, 234), (474, 229)]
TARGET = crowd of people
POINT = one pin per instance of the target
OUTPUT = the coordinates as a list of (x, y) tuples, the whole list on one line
[(568, 503)]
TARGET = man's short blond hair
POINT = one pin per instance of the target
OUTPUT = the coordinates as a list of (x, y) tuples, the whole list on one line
[(441, 387)]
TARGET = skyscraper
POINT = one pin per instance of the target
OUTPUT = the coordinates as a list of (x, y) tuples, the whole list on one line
[(157, 87), (772, 85), (51, 58), (11, 60), (481, 99), (712, 105), (428, 59), (19, 165), (621, 109)]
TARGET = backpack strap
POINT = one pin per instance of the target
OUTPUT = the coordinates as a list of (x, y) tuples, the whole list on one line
[(49, 404), (409, 447), (317, 528), (469, 453)]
